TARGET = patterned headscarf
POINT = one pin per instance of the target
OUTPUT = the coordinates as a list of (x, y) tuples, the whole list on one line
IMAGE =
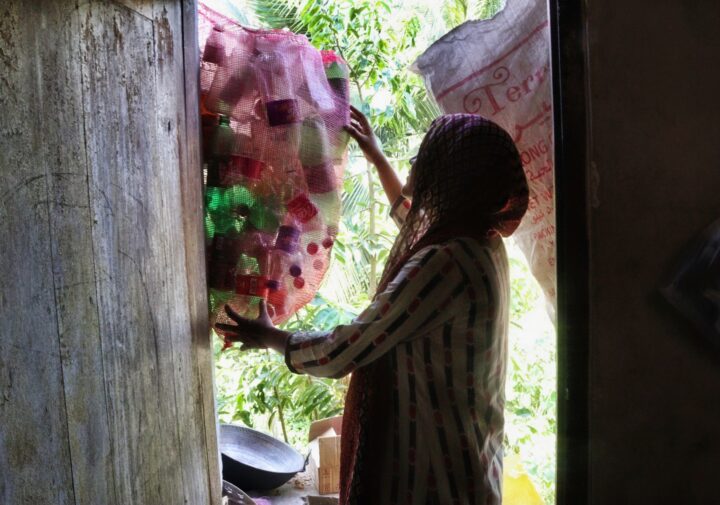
[(468, 182)]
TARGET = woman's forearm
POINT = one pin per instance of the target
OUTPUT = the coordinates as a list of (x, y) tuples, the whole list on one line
[(388, 177), (276, 339), (360, 129)]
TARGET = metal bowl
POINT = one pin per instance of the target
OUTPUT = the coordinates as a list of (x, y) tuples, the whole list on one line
[(255, 461)]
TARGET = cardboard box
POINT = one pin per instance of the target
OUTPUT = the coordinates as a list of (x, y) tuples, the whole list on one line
[(325, 455), (329, 464)]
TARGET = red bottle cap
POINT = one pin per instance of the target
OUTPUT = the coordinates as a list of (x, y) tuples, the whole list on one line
[(252, 285)]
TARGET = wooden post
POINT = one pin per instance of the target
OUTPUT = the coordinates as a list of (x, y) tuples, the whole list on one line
[(106, 392)]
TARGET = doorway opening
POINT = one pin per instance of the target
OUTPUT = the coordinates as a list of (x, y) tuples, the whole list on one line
[(380, 40)]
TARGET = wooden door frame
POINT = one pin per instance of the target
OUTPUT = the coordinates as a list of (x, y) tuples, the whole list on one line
[(568, 46), (568, 32), (194, 229)]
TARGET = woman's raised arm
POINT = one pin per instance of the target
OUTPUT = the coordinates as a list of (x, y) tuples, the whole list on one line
[(360, 129)]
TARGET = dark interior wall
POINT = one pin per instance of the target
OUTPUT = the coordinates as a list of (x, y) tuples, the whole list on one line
[(655, 182)]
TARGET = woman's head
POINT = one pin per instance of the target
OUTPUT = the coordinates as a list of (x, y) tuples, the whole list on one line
[(466, 181), (468, 175)]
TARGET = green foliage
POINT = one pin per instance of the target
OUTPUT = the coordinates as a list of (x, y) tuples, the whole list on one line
[(278, 15), (531, 398), (456, 12), (485, 9), (257, 387)]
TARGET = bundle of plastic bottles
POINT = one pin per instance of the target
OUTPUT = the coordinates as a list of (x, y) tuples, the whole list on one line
[(274, 150)]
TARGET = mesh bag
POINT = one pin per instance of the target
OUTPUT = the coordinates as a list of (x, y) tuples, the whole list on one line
[(274, 150)]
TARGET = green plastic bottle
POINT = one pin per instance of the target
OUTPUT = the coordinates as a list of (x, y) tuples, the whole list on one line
[(224, 141)]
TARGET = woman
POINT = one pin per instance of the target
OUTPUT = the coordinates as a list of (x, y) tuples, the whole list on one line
[(423, 419)]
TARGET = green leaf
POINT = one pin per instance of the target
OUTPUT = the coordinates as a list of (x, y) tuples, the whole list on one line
[(278, 14)]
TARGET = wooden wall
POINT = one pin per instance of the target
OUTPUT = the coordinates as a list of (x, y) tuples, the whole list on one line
[(105, 365), (655, 183)]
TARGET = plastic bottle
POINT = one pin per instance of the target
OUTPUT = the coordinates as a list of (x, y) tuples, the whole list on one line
[(314, 144), (241, 171), (224, 138), (224, 253), (282, 112), (315, 156), (320, 177), (251, 282), (214, 51), (276, 87), (230, 194), (249, 196), (209, 123), (337, 73), (338, 76), (315, 88), (286, 263), (265, 215), (232, 82), (213, 56), (285, 259)]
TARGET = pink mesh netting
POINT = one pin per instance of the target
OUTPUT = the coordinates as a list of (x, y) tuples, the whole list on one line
[(274, 150)]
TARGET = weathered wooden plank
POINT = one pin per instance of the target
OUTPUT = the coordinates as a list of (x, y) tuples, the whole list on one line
[(191, 184), (65, 163), (129, 207), (171, 134), (33, 425)]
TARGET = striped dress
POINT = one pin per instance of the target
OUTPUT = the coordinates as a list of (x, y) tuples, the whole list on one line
[(442, 324)]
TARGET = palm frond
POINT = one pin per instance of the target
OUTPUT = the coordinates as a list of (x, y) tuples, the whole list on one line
[(348, 275), (355, 200), (278, 14), (485, 9), (455, 12), (233, 10), (426, 109)]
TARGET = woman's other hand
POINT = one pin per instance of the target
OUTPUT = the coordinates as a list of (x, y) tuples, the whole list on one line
[(360, 129), (253, 333)]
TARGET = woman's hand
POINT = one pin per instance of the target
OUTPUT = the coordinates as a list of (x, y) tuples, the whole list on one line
[(254, 333), (360, 129)]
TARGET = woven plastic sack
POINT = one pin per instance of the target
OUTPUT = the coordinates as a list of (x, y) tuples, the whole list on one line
[(500, 68), (274, 150)]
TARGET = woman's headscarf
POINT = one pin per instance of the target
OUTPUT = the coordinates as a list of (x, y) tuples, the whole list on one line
[(468, 182)]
